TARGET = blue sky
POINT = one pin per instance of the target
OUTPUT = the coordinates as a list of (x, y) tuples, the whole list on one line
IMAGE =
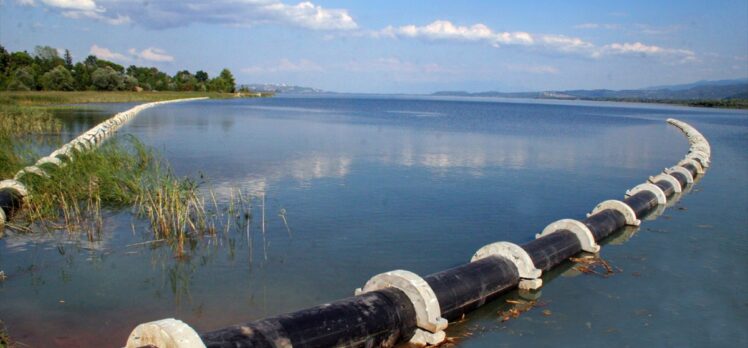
[(401, 46)]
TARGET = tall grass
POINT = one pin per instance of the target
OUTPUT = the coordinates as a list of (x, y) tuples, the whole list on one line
[(125, 174), (16, 124)]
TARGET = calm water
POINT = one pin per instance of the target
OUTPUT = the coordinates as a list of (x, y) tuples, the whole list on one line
[(371, 184)]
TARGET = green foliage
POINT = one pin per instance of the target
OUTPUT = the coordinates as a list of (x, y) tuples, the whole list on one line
[(22, 79), (46, 70), (107, 79), (58, 79)]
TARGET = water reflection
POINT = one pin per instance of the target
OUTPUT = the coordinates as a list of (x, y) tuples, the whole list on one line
[(355, 187)]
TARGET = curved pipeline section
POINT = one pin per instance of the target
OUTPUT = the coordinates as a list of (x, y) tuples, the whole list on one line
[(400, 306), (13, 191)]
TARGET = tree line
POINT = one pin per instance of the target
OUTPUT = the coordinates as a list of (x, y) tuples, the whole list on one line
[(46, 70)]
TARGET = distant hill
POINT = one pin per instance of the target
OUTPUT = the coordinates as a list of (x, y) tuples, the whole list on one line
[(702, 90), (282, 88), (701, 84)]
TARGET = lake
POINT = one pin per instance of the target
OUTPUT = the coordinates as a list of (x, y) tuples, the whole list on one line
[(356, 185)]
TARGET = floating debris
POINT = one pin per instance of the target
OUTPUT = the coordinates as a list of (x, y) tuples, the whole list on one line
[(594, 265)]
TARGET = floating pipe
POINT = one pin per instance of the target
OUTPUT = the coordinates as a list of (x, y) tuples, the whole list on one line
[(12, 192), (400, 306)]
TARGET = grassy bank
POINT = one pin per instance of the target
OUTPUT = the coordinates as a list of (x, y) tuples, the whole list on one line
[(39, 98)]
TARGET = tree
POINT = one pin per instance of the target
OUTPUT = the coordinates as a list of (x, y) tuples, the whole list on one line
[(22, 80), (107, 79), (201, 76), (46, 53), (4, 60), (129, 83), (82, 76), (58, 79), (228, 79), (68, 59)]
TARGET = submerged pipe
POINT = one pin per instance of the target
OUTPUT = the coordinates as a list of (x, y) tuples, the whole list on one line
[(400, 306)]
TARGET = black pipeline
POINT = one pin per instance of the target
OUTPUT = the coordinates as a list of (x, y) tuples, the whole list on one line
[(400, 306)]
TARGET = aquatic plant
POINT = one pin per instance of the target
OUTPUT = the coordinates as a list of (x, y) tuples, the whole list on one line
[(16, 123)]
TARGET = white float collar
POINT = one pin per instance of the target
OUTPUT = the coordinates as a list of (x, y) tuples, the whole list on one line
[(580, 230), (669, 178), (512, 252), (31, 170), (164, 333), (15, 186), (620, 207), (701, 156), (530, 276), (691, 161), (684, 171), (656, 190), (49, 159), (423, 298)]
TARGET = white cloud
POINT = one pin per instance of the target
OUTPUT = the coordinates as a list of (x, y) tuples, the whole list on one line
[(283, 66), (638, 48), (77, 5), (446, 30), (107, 54), (153, 54), (26, 2), (167, 14), (150, 54)]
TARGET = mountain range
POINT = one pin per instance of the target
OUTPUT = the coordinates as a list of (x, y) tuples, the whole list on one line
[(701, 90)]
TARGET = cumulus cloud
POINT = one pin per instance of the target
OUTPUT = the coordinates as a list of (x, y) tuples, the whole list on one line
[(638, 48), (284, 65), (107, 54), (151, 54), (446, 30), (154, 55), (168, 14), (443, 30)]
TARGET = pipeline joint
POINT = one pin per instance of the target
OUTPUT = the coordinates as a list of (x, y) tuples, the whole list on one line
[(580, 230), (428, 313), (529, 275)]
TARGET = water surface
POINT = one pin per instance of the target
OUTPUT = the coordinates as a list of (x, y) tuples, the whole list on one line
[(371, 184)]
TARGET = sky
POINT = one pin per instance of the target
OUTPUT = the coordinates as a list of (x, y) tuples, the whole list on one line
[(401, 46)]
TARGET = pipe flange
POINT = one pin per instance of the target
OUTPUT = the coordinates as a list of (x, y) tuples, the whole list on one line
[(512, 252), (693, 162), (423, 298), (684, 171), (669, 178), (15, 186), (164, 333), (31, 170), (620, 207), (49, 159), (700, 156), (656, 190), (586, 239)]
